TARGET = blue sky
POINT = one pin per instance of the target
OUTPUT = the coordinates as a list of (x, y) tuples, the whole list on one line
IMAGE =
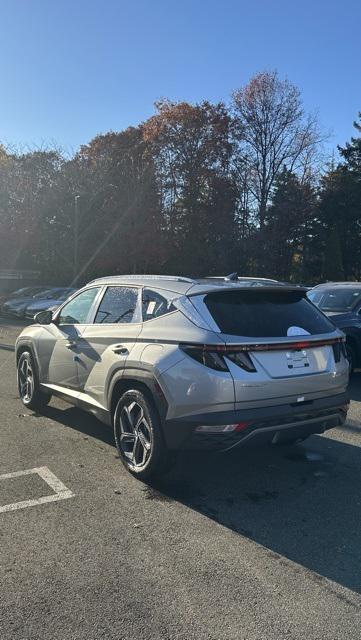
[(70, 69)]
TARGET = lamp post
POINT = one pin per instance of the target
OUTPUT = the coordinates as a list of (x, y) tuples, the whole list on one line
[(76, 273), (76, 238)]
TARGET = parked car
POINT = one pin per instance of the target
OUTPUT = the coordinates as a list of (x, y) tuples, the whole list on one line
[(51, 301), (21, 293), (15, 307), (177, 363), (341, 301)]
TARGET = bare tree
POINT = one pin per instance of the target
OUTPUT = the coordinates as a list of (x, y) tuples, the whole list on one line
[(272, 131)]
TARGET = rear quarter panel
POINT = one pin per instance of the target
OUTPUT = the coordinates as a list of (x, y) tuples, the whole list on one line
[(189, 387)]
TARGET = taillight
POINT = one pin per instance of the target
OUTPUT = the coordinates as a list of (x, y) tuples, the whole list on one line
[(215, 357), (209, 358), (242, 359), (338, 348)]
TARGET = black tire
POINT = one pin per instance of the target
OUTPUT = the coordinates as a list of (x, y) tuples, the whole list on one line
[(351, 356), (138, 436), (28, 383)]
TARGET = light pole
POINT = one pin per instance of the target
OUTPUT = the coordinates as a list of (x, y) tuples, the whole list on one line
[(76, 238), (76, 273)]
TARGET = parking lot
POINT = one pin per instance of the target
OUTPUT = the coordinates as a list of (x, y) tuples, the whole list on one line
[(258, 544)]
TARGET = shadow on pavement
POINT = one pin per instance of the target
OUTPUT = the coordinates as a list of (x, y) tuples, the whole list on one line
[(301, 502), (80, 421)]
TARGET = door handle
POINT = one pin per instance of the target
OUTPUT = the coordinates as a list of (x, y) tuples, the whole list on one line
[(71, 344), (120, 350)]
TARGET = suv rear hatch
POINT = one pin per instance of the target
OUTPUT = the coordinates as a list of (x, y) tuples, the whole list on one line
[(278, 346)]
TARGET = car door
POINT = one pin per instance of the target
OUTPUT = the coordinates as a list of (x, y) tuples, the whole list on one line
[(59, 349), (109, 340)]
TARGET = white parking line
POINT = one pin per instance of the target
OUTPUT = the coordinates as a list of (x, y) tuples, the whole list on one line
[(61, 491)]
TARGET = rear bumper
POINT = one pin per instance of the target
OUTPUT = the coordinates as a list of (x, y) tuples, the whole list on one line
[(265, 425)]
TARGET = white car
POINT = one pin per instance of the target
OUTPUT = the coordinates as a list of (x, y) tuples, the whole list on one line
[(175, 363)]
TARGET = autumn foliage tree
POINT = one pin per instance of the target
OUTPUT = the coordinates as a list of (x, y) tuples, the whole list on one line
[(191, 148), (197, 189), (272, 131), (119, 204)]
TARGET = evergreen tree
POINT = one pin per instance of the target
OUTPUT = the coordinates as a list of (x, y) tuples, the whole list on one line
[(340, 211), (352, 150), (332, 266), (289, 219)]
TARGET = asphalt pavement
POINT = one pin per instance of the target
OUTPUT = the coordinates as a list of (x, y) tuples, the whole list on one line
[(257, 544)]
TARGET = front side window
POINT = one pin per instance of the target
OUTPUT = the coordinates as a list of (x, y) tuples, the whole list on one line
[(77, 310), (119, 305), (155, 305)]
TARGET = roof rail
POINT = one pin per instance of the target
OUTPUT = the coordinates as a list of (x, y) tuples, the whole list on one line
[(235, 277), (143, 277)]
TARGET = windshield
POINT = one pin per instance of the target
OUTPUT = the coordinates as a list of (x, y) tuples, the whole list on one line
[(257, 313), (64, 295), (43, 294), (21, 292), (336, 299), (54, 294), (25, 292)]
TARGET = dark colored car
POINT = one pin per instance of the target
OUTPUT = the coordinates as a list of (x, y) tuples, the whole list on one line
[(50, 302), (15, 307), (24, 292), (341, 301)]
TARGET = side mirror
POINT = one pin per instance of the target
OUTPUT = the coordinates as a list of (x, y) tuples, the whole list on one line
[(44, 317)]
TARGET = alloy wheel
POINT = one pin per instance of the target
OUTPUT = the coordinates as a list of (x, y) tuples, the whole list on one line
[(26, 379), (135, 435)]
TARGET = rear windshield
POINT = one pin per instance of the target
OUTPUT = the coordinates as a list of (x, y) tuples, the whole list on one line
[(270, 314)]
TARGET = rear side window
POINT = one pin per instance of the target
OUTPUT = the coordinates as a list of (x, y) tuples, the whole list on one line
[(154, 305), (117, 306), (265, 314)]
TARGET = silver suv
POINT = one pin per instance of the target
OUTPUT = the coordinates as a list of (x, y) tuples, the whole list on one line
[(176, 363)]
